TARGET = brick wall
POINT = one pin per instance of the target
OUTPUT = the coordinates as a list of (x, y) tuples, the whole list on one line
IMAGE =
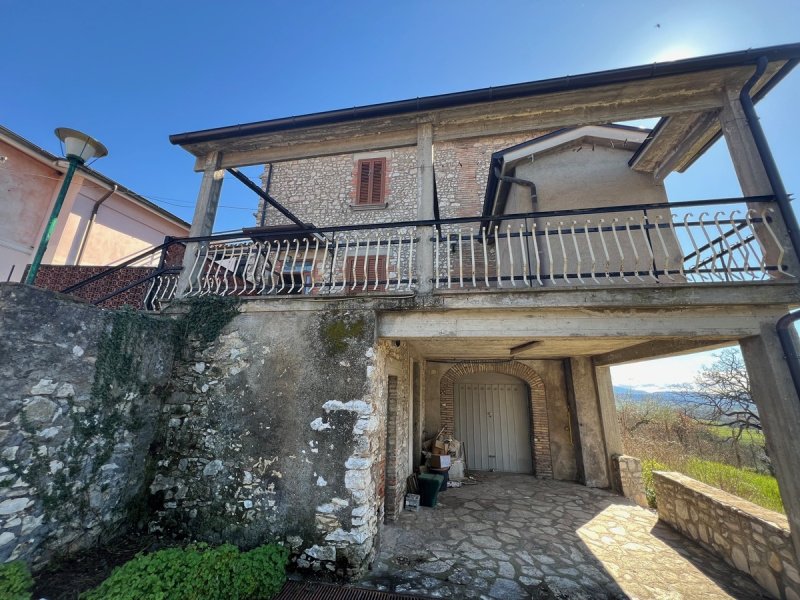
[(753, 539), (59, 277)]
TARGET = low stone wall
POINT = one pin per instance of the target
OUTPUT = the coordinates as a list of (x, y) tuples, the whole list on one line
[(80, 396), (753, 539), (272, 433), (627, 478)]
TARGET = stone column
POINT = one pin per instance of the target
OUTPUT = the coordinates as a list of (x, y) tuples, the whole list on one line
[(424, 260), (205, 212), (779, 407), (753, 178), (588, 419)]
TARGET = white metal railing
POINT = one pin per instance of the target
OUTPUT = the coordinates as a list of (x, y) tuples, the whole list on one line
[(655, 246), (689, 243), (374, 260)]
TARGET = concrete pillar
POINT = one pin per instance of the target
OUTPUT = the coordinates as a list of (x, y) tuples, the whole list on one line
[(592, 456), (753, 178), (205, 212), (779, 407), (424, 261), (607, 405)]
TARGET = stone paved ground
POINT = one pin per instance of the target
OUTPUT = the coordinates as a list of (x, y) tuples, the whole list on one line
[(514, 537)]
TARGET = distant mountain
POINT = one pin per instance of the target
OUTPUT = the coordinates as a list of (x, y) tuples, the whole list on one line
[(624, 393)]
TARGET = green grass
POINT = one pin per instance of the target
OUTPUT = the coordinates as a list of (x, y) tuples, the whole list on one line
[(749, 436), (754, 487), (757, 488)]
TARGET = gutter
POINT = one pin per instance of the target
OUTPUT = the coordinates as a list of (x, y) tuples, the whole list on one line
[(507, 92), (92, 218), (785, 331), (767, 160)]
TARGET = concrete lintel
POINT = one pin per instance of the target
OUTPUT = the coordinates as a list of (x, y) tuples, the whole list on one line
[(780, 293), (659, 349), (733, 323)]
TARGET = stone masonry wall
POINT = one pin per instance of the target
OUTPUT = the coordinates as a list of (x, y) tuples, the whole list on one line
[(80, 395), (322, 190), (627, 478), (750, 538), (272, 433)]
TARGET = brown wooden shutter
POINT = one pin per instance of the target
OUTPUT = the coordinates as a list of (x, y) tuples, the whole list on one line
[(355, 268), (371, 183)]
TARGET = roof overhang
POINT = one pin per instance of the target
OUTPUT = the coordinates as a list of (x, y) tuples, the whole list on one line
[(686, 90)]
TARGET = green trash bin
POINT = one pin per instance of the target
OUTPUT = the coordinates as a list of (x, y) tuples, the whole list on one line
[(429, 486)]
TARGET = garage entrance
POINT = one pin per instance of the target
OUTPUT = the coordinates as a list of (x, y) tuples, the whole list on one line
[(492, 418)]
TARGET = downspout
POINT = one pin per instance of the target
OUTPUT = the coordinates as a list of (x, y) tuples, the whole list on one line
[(767, 160), (534, 200), (266, 189), (92, 218), (518, 181), (784, 329)]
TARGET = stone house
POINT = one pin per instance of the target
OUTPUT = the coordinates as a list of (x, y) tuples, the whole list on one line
[(470, 264)]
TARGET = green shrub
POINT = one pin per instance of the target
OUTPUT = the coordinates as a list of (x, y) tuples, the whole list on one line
[(15, 581), (197, 572), (648, 466), (756, 487)]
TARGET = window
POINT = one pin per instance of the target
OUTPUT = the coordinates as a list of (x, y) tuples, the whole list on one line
[(371, 182), (374, 278)]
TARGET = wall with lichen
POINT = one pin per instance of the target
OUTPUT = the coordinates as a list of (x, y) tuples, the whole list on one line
[(80, 396), (271, 434)]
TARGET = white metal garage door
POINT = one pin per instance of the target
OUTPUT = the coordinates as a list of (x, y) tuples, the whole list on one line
[(493, 420)]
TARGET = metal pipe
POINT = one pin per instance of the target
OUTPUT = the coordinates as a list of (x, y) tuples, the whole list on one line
[(767, 160), (518, 181), (74, 161), (281, 209), (92, 217), (266, 191), (784, 329)]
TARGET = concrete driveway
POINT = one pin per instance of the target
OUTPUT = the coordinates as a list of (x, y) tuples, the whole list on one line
[(514, 537)]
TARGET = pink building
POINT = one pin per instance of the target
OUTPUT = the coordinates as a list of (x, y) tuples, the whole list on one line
[(101, 221)]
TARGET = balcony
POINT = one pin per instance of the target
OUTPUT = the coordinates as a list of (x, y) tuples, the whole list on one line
[(698, 243)]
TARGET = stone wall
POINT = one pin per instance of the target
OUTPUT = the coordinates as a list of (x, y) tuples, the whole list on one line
[(750, 538), (627, 478), (80, 395), (321, 190), (272, 433)]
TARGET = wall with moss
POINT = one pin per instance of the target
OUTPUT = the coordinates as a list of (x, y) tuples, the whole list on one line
[(271, 430), (80, 398)]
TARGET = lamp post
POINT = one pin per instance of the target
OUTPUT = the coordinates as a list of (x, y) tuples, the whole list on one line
[(79, 148)]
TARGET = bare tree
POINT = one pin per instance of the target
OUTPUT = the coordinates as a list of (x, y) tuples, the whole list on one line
[(721, 397), (722, 390)]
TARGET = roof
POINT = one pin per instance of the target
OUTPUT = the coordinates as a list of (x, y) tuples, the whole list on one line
[(56, 163), (504, 161), (789, 53)]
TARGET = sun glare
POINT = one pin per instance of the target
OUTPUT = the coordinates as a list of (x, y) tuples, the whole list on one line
[(676, 53)]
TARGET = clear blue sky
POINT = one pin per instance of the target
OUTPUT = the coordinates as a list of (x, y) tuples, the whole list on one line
[(131, 73)]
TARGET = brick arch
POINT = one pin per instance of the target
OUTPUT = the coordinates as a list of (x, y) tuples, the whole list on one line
[(540, 430)]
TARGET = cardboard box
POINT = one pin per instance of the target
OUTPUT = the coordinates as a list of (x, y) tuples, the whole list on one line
[(439, 461), (441, 447)]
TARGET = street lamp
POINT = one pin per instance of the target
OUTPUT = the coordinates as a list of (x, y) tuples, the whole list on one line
[(79, 148)]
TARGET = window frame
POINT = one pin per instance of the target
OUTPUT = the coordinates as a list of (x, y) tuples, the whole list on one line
[(372, 201)]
